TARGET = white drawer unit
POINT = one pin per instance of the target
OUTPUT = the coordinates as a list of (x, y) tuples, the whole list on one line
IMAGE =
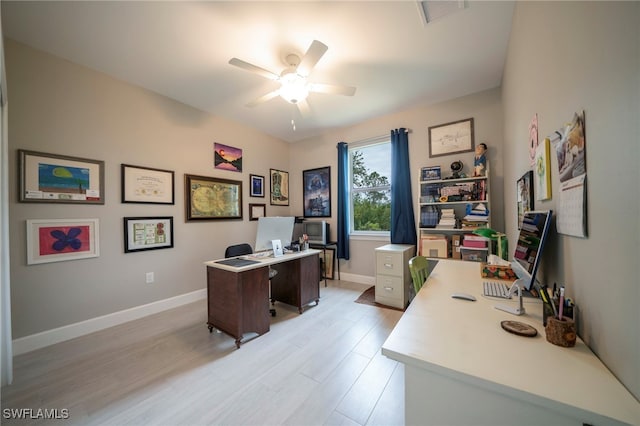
[(393, 279)]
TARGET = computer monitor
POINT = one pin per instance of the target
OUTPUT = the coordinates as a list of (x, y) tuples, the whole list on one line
[(528, 251), (273, 228)]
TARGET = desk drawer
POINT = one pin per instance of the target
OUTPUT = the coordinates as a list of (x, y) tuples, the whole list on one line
[(389, 287), (390, 263)]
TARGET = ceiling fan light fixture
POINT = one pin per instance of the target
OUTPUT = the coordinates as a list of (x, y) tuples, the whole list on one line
[(294, 88)]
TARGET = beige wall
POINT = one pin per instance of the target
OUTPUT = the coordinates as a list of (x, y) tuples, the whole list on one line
[(486, 110), (564, 57), (59, 107)]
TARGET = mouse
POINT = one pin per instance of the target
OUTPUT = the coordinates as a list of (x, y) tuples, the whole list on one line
[(463, 296)]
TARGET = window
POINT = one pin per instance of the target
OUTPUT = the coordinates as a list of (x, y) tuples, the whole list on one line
[(370, 187)]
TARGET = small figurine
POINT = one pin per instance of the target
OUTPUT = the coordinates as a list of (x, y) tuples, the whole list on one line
[(480, 161)]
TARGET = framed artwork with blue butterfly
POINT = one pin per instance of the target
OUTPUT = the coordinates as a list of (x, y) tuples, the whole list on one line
[(57, 240)]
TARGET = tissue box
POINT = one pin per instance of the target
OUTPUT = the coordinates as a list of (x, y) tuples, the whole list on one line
[(497, 272)]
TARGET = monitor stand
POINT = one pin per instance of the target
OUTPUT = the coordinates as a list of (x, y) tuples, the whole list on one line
[(518, 310)]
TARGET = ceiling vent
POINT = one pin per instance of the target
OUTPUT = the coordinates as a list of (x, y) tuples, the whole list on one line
[(430, 11)]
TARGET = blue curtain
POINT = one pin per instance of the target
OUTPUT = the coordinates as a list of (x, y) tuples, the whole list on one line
[(343, 201), (403, 225)]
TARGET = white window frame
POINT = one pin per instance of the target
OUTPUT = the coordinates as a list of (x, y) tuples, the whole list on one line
[(365, 235)]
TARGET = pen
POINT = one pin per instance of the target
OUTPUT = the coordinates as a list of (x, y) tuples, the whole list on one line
[(547, 299), (561, 303)]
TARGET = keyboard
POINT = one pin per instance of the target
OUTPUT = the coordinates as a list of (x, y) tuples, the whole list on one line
[(496, 289)]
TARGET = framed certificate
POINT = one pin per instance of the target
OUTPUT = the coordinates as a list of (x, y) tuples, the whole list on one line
[(147, 185)]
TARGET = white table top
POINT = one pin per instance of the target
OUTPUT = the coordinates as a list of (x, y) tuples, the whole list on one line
[(262, 261), (465, 341)]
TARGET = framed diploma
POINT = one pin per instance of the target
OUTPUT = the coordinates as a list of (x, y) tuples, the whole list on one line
[(257, 211), (147, 185), (209, 198)]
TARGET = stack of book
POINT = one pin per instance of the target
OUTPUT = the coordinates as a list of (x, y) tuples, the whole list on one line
[(474, 241), (447, 219), (476, 217)]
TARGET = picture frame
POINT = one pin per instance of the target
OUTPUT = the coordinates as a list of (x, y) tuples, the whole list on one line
[(147, 185), (328, 257), (256, 186), (316, 184), (147, 233), (524, 195), (227, 157), (210, 198), (451, 138), (257, 211), (430, 173), (279, 190), (53, 178), (57, 240)]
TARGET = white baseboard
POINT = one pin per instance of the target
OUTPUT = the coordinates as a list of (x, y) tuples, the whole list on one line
[(361, 279), (71, 331)]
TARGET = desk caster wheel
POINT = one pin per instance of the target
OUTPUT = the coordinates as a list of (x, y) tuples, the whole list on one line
[(273, 312)]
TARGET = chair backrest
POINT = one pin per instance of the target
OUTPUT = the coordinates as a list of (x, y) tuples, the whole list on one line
[(419, 268), (238, 250)]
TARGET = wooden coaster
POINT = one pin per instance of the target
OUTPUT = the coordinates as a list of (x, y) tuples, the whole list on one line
[(519, 328)]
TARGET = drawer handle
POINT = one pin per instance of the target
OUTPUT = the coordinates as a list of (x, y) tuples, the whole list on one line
[(388, 265), (388, 288)]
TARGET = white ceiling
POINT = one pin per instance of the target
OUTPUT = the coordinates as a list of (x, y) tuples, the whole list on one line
[(181, 50)]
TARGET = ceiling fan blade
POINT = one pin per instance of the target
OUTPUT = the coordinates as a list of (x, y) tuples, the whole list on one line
[(311, 58), (303, 107), (253, 68), (332, 89), (264, 98)]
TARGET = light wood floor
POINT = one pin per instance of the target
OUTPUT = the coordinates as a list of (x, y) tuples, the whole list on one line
[(323, 367)]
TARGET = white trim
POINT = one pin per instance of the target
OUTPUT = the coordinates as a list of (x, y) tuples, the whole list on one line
[(71, 331), (360, 279)]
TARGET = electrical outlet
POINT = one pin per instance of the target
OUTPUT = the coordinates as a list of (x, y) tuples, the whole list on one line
[(149, 277)]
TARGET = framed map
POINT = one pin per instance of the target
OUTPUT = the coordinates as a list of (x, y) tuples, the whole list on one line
[(209, 198)]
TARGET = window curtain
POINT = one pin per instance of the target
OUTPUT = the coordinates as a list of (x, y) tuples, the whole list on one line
[(403, 225), (343, 201)]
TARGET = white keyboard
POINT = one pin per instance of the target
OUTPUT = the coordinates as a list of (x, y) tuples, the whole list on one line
[(496, 289)]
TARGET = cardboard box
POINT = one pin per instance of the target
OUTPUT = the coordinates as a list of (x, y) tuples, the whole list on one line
[(455, 247), (497, 272), (434, 247)]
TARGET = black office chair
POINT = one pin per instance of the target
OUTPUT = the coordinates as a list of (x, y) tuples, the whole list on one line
[(242, 250)]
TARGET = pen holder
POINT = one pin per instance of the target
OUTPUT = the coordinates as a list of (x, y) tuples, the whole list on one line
[(561, 332)]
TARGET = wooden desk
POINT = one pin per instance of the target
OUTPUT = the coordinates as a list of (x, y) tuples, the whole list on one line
[(461, 368), (238, 297)]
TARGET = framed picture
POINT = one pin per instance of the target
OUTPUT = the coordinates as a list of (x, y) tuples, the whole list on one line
[(279, 187), (209, 198), (52, 178), (430, 173), (524, 196), (328, 257), (256, 186), (451, 138), (57, 240), (257, 211), (226, 157), (146, 185), (147, 233), (316, 184)]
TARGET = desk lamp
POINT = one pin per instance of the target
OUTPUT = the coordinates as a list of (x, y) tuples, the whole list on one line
[(503, 251)]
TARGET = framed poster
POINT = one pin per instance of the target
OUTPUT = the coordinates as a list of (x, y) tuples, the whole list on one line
[(451, 138), (279, 187), (257, 211), (146, 185), (524, 195), (57, 240), (208, 198), (226, 157), (147, 233), (256, 186), (52, 178), (316, 184)]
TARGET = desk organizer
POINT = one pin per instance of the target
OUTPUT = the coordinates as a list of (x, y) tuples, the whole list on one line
[(561, 333)]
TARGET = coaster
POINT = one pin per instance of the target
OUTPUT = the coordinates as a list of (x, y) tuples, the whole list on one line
[(519, 328)]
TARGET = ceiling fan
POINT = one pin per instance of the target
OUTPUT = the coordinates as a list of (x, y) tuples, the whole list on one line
[(293, 80)]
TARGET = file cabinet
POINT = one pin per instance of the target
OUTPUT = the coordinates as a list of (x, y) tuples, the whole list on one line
[(393, 279)]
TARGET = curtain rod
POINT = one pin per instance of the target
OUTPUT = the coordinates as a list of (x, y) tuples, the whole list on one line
[(375, 138)]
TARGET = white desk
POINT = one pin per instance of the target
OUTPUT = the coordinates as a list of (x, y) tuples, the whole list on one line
[(238, 296), (462, 368)]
